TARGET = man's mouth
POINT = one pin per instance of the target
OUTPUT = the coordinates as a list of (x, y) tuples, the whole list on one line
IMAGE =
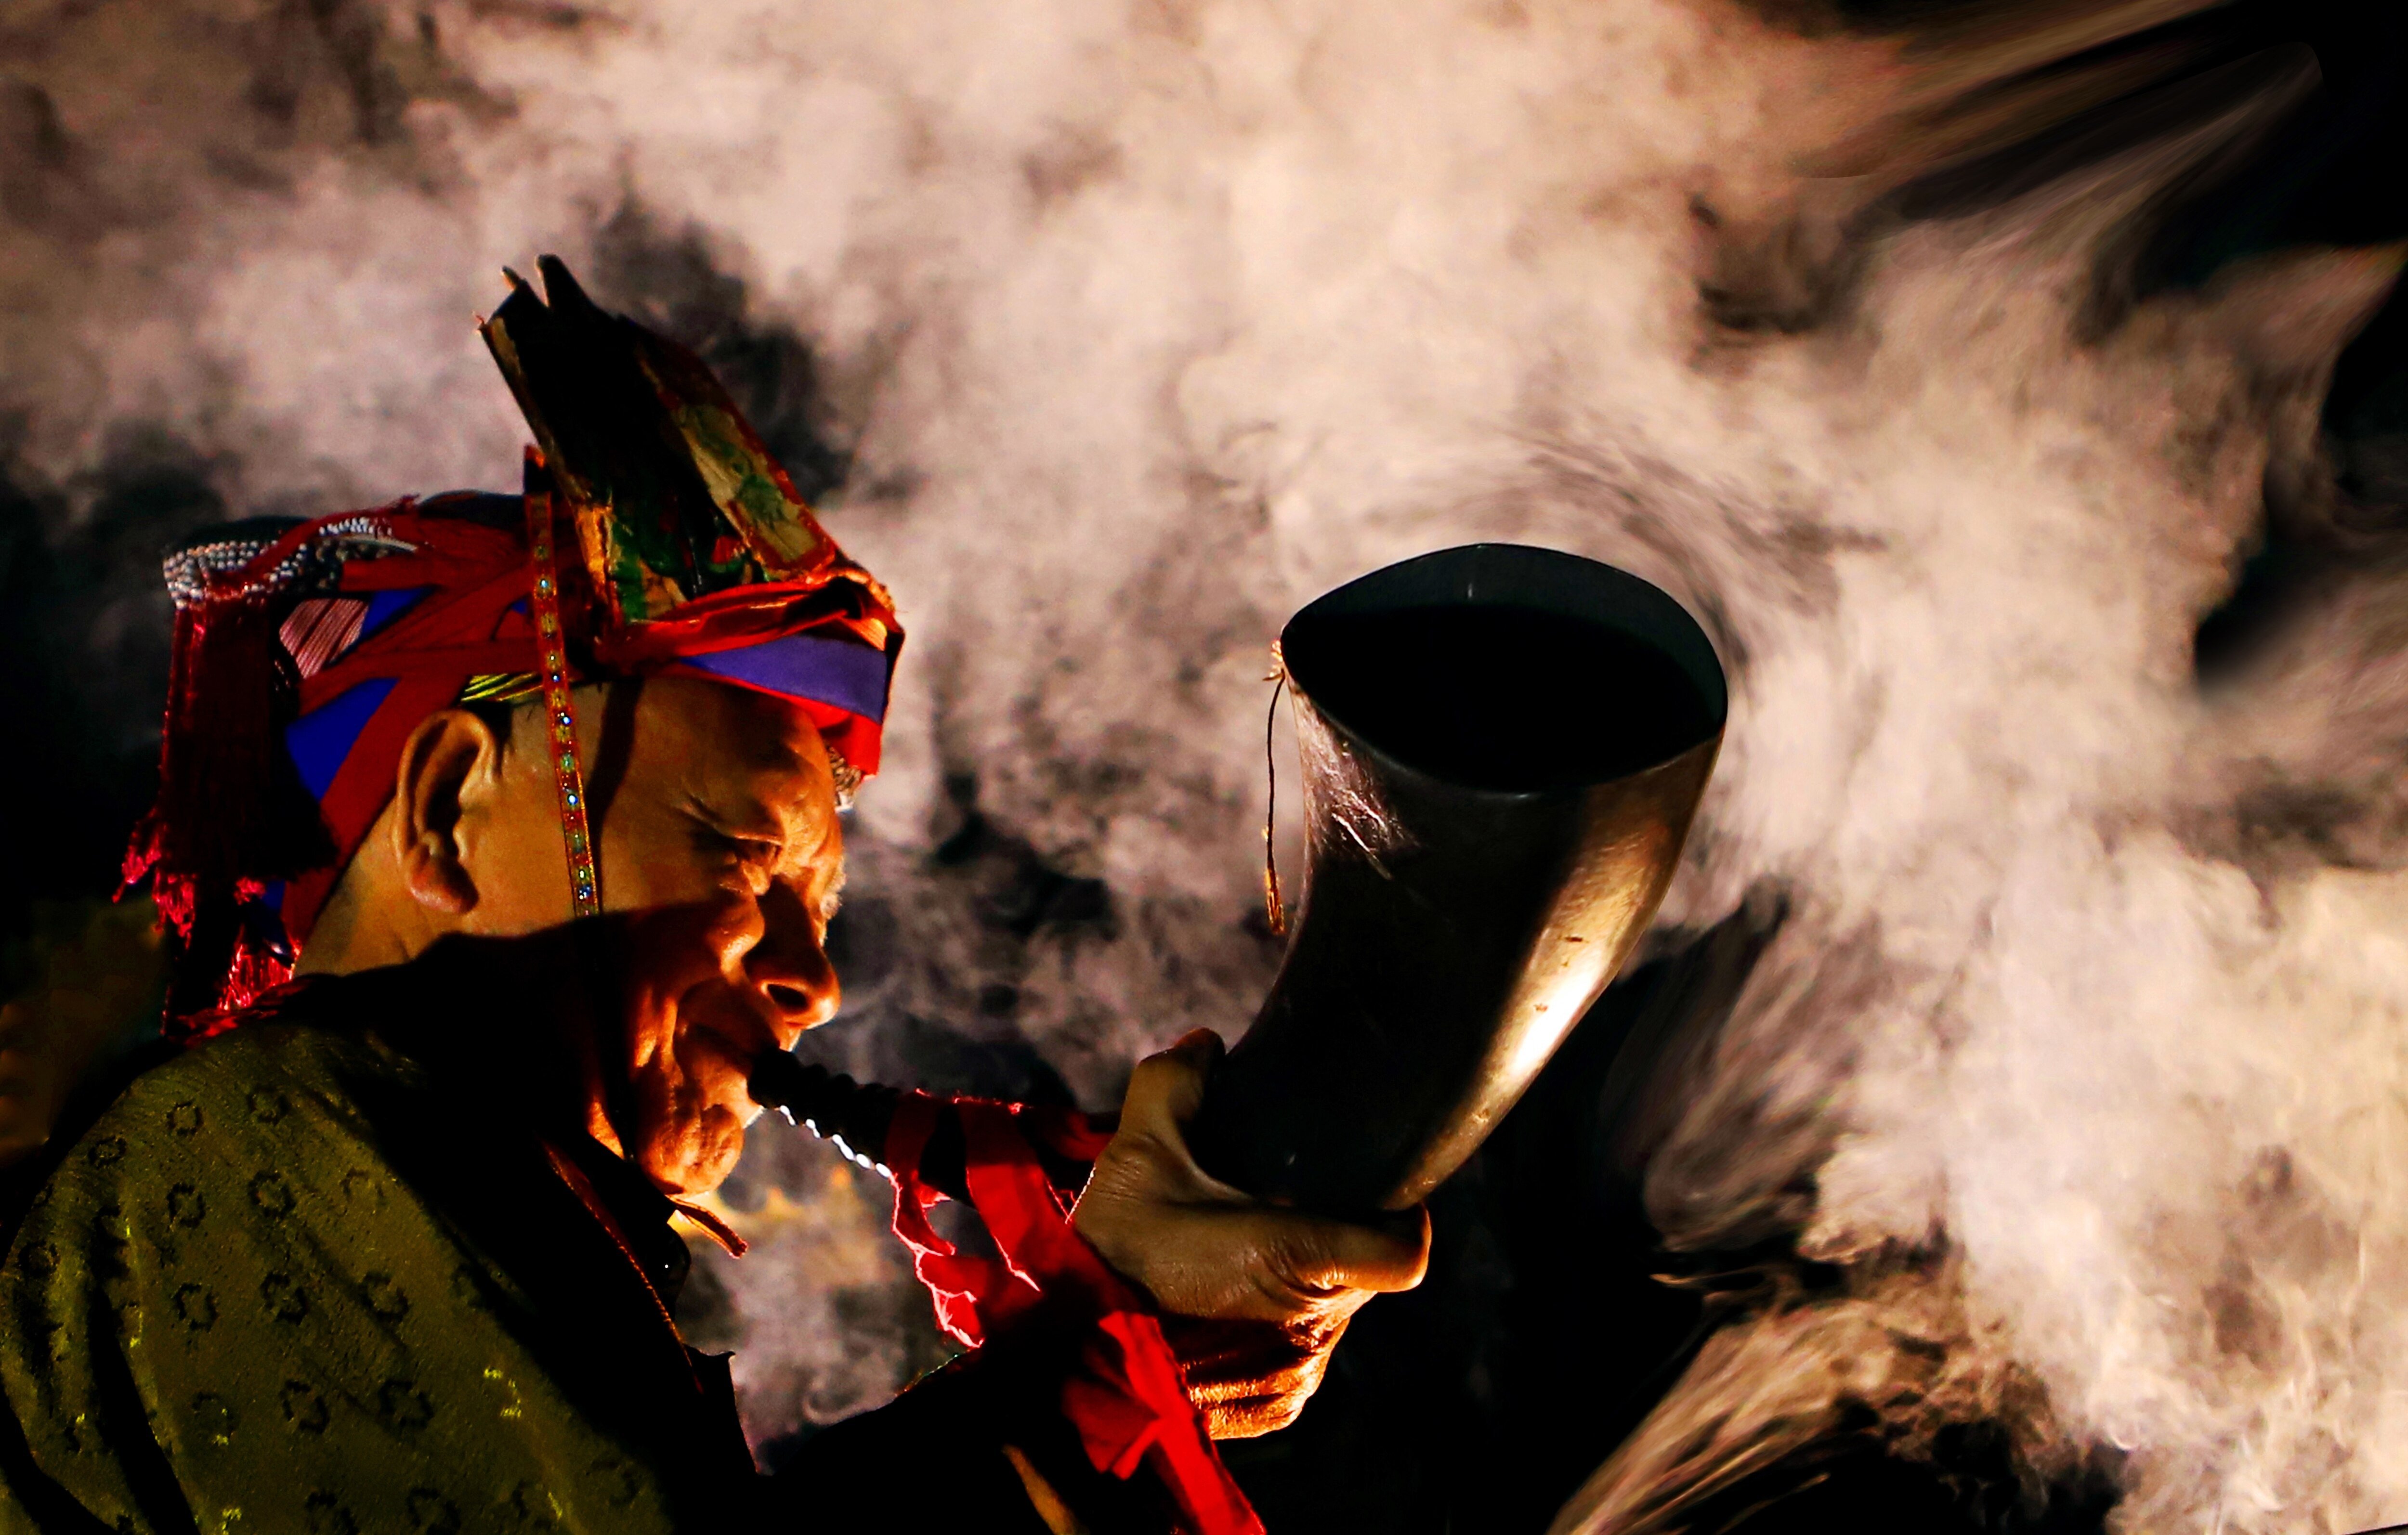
[(718, 1051)]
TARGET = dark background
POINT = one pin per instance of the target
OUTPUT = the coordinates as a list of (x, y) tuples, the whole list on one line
[(1552, 1320)]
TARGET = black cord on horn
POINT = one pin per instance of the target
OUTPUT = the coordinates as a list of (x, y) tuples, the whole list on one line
[(1274, 908)]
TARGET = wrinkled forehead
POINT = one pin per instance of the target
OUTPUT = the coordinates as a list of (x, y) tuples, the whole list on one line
[(732, 744)]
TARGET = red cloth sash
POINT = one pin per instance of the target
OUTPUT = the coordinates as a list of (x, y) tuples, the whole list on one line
[(1123, 1392)]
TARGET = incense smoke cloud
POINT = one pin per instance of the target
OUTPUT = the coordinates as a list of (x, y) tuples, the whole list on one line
[(1137, 325)]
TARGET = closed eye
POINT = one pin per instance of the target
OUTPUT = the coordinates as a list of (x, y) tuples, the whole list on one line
[(754, 855), (750, 848)]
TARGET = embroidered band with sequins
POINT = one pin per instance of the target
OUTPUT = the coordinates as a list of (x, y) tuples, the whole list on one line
[(560, 715)]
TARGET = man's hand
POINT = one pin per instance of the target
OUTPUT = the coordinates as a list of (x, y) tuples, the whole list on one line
[(1257, 1296)]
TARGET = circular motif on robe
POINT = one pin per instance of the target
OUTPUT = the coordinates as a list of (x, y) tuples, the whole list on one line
[(213, 1417), (384, 1296), (40, 1260), (270, 1194), (529, 1506), (466, 1290), (108, 1151), (304, 1409), (287, 1301), (197, 1307), (185, 1206), (185, 1118), (432, 1512), (328, 1516), (267, 1106), (615, 1480), (401, 1404), (364, 1189)]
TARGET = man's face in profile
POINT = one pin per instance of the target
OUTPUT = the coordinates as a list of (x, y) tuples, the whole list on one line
[(720, 839)]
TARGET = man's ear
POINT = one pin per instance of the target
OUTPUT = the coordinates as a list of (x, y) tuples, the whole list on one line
[(447, 758)]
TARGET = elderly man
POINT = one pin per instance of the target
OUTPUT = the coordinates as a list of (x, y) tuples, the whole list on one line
[(384, 1245)]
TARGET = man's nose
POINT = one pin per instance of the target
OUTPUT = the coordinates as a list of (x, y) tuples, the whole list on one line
[(789, 967)]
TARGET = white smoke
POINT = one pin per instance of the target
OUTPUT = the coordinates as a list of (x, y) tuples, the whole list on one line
[(1156, 320)]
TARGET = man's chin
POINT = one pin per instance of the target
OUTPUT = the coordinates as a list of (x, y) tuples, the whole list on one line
[(695, 1159)]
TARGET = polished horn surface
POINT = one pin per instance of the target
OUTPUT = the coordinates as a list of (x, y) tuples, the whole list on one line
[(1502, 748)]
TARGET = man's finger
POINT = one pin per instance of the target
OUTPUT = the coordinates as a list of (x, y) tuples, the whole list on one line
[(1317, 1253), (1207, 1387), (1253, 1419), (1167, 1088)]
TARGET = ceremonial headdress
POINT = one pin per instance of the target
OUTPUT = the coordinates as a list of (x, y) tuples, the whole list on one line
[(655, 534)]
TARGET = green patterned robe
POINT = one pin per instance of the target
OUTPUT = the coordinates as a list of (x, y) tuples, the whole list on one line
[(292, 1281)]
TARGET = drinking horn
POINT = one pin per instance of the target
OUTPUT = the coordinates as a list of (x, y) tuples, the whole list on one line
[(1502, 750)]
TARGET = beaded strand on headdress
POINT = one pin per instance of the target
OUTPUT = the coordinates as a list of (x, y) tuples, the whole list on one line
[(560, 716)]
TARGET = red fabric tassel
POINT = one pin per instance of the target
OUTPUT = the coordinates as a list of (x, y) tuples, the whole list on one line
[(231, 693), (1123, 1393), (231, 812)]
